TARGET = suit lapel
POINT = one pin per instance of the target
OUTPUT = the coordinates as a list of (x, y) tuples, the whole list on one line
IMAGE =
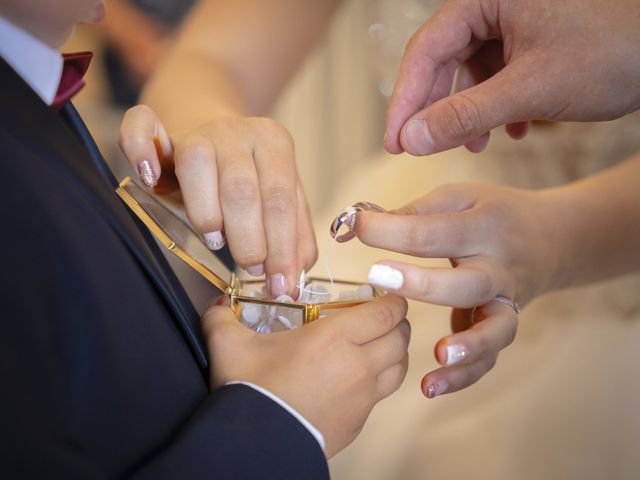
[(75, 151)]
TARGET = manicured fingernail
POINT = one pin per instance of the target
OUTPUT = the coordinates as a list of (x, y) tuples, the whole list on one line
[(145, 172), (436, 388), (417, 139), (255, 270), (386, 276), (215, 240), (456, 353), (278, 285)]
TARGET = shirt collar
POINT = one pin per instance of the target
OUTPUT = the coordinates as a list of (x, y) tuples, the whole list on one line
[(38, 64)]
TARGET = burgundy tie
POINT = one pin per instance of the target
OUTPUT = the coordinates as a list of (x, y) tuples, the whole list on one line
[(74, 67)]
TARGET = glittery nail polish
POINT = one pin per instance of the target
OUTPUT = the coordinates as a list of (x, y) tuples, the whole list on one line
[(145, 172)]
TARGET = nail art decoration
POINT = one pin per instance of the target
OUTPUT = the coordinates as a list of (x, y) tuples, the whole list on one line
[(145, 172), (456, 353), (215, 240)]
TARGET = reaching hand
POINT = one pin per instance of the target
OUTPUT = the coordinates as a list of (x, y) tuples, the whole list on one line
[(497, 240), (332, 371), (238, 181), (520, 61)]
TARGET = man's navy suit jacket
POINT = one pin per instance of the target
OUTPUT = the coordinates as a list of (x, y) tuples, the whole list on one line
[(103, 373)]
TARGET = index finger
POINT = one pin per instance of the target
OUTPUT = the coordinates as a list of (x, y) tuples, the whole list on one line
[(433, 236), (445, 38), (143, 141)]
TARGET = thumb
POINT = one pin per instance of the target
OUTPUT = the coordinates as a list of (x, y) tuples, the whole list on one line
[(219, 321), (222, 333), (507, 97)]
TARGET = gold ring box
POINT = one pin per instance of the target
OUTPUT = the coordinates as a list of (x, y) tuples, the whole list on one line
[(247, 298)]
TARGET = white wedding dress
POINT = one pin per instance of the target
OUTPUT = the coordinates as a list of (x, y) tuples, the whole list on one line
[(563, 401)]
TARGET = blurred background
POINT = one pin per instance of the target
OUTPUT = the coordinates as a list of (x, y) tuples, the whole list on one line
[(562, 400)]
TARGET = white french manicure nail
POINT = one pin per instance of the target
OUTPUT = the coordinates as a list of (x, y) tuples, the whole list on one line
[(386, 276), (278, 285), (215, 240), (456, 353), (145, 172)]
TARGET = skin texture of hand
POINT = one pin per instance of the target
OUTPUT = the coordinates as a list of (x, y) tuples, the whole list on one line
[(520, 60), (238, 180), (332, 371), (504, 241)]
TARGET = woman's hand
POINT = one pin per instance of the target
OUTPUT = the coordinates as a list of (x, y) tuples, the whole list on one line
[(238, 181), (499, 241)]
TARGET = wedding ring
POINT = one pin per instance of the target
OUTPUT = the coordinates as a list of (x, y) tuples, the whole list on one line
[(500, 299), (507, 301), (348, 218)]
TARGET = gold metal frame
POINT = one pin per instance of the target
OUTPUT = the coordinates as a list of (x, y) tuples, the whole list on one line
[(311, 312)]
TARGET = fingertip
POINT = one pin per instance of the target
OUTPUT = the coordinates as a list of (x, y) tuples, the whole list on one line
[(440, 352), (517, 130), (477, 145), (215, 240), (432, 386), (147, 173), (391, 142)]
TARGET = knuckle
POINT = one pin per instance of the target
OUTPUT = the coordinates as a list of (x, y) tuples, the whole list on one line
[(241, 191), (417, 239), (248, 255), (384, 317), (426, 285), (274, 131), (279, 198), (463, 117), (482, 286), (192, 151), (412, 42)]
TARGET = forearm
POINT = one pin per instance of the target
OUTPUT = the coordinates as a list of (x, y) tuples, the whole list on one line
[(234, 58), (596, 224), (190, 89)]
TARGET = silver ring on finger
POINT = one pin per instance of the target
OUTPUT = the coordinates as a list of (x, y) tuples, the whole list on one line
[(499, 299)]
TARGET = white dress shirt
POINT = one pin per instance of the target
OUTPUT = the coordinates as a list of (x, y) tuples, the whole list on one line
[(38, 64), (41, 67)]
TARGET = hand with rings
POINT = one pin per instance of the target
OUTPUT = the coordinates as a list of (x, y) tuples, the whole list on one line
[(494, 238)]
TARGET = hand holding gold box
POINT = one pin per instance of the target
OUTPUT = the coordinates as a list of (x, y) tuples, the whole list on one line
[(318, 296)]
